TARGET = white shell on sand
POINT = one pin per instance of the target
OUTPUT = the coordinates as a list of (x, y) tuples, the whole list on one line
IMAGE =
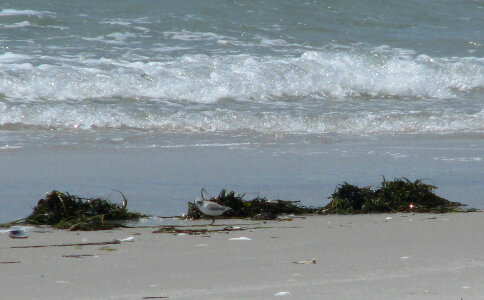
[(242, 238)]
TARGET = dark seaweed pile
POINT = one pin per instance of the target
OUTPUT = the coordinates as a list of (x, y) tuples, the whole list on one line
[(258, 208), (399, 195), (66, 211)]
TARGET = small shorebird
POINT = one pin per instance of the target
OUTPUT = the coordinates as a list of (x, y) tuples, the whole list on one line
[(210, 208)]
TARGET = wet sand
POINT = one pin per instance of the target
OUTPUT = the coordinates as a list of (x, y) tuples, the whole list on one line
[(384, 256)]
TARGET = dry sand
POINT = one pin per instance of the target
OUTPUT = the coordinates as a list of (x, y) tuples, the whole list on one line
[(357, 257)]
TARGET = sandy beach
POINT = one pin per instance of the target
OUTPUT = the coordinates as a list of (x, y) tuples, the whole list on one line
[(161, 102), (382, 256)]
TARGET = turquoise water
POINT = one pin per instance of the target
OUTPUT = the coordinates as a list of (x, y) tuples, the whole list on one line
[(136, 75)]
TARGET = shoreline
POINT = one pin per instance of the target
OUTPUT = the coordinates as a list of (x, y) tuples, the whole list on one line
[(377, 256), (160, 181)]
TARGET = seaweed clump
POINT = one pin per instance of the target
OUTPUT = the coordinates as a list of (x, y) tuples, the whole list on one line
[(399, 195), (258, 208), (66, 211)]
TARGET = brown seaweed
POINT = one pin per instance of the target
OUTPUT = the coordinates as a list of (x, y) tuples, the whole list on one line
[(77, 255), (195, 230)]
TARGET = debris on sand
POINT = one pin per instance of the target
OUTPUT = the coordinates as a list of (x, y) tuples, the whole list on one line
[(305, 262), (18, 233), (66, 211), (258, 208), (399, 195)]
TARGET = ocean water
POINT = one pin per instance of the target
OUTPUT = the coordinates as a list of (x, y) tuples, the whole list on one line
[(173, 96)]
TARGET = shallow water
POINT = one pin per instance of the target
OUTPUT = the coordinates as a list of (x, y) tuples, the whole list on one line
[(211, 91), (161, 180)]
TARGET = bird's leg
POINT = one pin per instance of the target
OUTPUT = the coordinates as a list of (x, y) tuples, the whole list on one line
[(213, 220)]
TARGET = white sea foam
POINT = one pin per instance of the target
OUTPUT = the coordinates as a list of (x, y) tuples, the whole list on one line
[(10, 147), (99, 38), (9, 57), (207, 79), (19, 25), (97, 115), (121, 37), (113, 38), (345, 91), (18, 12), (186, 35), (117, 22)]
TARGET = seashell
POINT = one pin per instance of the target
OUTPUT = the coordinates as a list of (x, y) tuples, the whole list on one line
[(305, 262), (18, 233), (242, 238)]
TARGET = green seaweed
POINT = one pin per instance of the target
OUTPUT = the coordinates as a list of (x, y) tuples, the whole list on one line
[(66, 211), (258, 208), (399, 195)]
